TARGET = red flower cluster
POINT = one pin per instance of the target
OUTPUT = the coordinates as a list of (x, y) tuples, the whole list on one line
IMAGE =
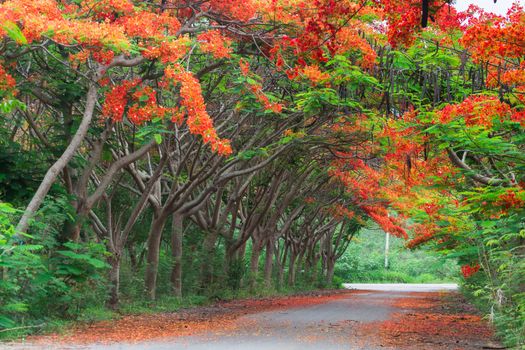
[(468, 270), (117, 99), (341, 212), (245, 67), (139, 103), (477, 110), (7, 84), (512, 198), (264, 100), (256, 89)]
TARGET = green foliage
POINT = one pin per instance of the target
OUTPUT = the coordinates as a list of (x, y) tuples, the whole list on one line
[(363, 262), (40, 280), (19, 172)]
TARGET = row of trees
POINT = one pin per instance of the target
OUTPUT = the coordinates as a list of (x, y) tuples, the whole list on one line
[(207, 134), (121, 133)]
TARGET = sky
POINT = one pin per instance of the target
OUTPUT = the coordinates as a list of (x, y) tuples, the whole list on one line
[(499, 8)]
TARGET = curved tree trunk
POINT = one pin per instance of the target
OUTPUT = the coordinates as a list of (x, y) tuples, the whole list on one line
[(152, 259), (60, 164)]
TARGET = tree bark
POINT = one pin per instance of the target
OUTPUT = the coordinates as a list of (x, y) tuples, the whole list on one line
[(176, 251), (114, 282), (60, 164)]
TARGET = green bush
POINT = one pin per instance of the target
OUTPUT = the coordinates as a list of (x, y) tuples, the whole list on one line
[(37, 285)]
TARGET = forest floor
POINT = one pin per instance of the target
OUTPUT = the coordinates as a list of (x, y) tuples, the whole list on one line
[(330, 320)]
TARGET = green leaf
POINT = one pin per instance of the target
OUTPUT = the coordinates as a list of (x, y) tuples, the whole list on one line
[(6, 322), (14, 32), (158, 138)]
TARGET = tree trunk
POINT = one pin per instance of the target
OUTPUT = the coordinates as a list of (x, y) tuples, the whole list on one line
[(176, 251), (152, 259), (254, 263), (132, 258), (330, 271), (282, 264), (114, 281), (268, 263), (298, 265), (291, 270), (60, 164), (241, 256), (208, 250)]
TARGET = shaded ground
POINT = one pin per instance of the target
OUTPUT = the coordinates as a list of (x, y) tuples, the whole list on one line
[(330, 320)]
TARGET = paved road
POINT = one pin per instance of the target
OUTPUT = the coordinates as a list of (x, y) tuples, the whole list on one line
[(313, 327), (332, 325)]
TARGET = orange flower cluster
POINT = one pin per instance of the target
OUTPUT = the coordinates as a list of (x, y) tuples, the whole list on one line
[(348, 40), (365, 183), (234, 9), (168, 51), (106, 10), (148, 25), (484, 27), (388, 223), (314, 74), (198, 120), (215, 43), (45, 18), (422, 233), (404, 18)]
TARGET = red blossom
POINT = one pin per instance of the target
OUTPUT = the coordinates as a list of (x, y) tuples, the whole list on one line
[(469, 270)]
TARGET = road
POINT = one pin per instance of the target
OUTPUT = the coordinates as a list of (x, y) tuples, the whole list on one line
[(380, 317)]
